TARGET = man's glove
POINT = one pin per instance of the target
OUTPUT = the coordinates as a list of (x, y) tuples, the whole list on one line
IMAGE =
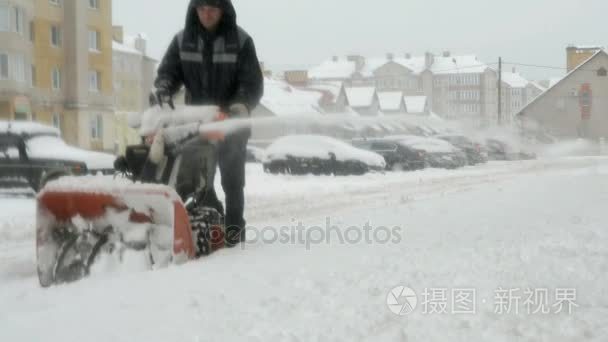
[(164, 95)]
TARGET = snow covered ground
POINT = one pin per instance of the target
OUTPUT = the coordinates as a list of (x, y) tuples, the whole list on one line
[(500, 227)]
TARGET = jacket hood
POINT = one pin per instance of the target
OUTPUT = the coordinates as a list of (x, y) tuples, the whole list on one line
[(193, 24)]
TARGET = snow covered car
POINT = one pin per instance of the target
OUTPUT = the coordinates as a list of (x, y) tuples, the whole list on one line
[(254, 154), (319, 155), (473, 150), (29, 152), (397, 156), (499, 149), (437, 153)]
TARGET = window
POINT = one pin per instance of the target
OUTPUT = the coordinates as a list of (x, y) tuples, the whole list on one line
[(55, 2), (19, 25), (94, 38), (21, 116), (56, 78), (33, 76), (57, 121), (3, 66), (94, 78), (55, 36), (472, 79), (32, 31), (19, 68), (96, 127), (471, 108), (4, 18), (94, 4), (602, 72), (383, 146), (470, 95)]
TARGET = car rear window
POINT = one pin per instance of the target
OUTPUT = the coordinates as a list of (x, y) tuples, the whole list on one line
[(383, 146)]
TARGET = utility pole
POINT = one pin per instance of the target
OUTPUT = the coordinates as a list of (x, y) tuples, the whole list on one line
[(499, 91)]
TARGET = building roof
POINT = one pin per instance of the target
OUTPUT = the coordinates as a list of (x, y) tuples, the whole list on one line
[(537, 85), (116, 46), (514, 80), (575, 70), (587, 47), (342, 68), (466, 64), (415, 64), (331, 87), (553, 81), (390, 101), (128, 45), (282, 99), (415, 104), (360, 96)]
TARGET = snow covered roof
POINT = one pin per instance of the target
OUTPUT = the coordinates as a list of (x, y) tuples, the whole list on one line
[(514, 80), (466, 64), (116, 46), (332, 88), (553, 81), (283, 99), (415, 104), (390, 100), (27, 127), (337, 69), (129, 44), (342, 68), (587, 47), (360, 96), (537, 85), (415, 64)]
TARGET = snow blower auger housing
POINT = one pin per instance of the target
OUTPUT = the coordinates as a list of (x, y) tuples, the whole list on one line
[(99, 224)]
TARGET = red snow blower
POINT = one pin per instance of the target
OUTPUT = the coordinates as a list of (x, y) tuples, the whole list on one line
[(161, 209)]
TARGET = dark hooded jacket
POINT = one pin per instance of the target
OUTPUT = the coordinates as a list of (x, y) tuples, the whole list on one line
[(219, 68)]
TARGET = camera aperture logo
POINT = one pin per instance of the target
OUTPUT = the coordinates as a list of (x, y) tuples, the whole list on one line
[(402, 300)]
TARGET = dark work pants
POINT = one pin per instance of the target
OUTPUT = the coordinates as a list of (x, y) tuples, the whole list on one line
[(232, 155)]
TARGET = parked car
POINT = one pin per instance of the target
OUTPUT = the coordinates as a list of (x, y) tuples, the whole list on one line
[(31, 152), (499, 149), (474, 151), (437, 153), (254, 154), (396, 155), (319, 155)]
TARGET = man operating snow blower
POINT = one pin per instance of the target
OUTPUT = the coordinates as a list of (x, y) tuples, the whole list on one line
[(215, 60), (90, 225)]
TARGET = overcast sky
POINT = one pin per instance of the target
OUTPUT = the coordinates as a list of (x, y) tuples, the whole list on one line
[(297, 33)]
